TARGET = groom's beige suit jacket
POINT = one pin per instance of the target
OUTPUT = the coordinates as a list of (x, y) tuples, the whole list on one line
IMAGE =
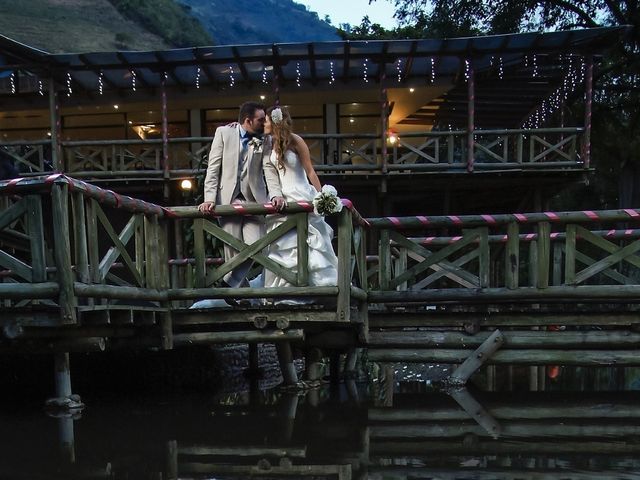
[(221, 181)]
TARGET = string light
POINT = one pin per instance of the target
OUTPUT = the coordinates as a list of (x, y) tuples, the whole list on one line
[(69, 89), (40, 88), (365, 70), (500, 69), (467, 70), (198, 78), (165, 75), (133, 80), (433, 70), (535, 65), (399, 69), (332, 77), (298, 74), (232, 80), (264, 75), (100, 83), (13, 82)]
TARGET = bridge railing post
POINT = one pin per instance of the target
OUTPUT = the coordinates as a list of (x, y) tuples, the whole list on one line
[(62, 251), (345, 233)]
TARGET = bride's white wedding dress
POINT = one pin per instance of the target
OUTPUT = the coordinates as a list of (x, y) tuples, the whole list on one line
[(323, 262)]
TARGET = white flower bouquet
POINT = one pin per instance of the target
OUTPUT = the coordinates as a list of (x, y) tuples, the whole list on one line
[(327, 201)]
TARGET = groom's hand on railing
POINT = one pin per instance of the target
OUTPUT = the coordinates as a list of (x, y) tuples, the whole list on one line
[(279, 203), (207, 207)]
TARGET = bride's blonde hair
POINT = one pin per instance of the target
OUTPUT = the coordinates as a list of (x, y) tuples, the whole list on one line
[(281, 132)]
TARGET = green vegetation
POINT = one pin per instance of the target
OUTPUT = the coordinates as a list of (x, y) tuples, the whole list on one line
[(616, 108), (166, 18)]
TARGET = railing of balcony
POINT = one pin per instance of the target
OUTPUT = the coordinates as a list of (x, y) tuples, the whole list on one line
[(548, 257), (534, 149)]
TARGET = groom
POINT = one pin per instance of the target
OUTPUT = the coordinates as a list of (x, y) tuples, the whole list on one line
[(235, 176)]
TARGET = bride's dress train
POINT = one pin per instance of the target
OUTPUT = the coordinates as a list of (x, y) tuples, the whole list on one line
[(323, 262)]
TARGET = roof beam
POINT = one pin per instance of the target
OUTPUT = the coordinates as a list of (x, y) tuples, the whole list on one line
[(345, 65), (277, 66), (83, 58), (168, 69), (409, 65), (312, 64)]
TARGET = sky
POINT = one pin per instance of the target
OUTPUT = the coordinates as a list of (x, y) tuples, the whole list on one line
[(352, 11)]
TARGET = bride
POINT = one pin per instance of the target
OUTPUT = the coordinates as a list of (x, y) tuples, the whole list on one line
[(299, 182)]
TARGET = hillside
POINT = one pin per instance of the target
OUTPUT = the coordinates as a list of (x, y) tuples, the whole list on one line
[(74, 26), (104, 25), (268, 21)]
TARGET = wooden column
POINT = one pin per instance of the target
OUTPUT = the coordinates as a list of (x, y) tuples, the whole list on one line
[(62, 251), (165, 137), (586, 142), (471, 112), (54, 125), (384, 123)]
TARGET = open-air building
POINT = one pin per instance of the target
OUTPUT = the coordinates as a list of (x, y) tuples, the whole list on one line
[(443, 124)]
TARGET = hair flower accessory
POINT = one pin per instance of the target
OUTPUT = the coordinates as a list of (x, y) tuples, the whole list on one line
[(276, 115), (327, 201)]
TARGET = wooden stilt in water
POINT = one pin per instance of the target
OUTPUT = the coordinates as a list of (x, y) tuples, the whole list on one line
[(64, 399), (477, 359), (67, 438), (285, 358)]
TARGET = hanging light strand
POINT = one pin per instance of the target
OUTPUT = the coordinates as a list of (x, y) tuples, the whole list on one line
[(198, 78), (69, 86), (332, 75)]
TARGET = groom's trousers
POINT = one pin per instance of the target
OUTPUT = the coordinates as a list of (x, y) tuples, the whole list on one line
[(248, 229)]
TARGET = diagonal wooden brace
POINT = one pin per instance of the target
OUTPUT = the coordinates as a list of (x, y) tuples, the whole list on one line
[(476, 359)]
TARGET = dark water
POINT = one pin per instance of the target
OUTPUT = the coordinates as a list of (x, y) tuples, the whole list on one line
[(380, 427)]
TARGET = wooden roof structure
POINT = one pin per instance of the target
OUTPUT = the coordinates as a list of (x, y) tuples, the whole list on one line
[(529, 65)]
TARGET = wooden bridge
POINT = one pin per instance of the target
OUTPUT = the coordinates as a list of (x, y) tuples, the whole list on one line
[(87, 269)]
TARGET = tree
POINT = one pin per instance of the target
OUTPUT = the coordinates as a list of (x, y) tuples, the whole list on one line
[(616, 109)]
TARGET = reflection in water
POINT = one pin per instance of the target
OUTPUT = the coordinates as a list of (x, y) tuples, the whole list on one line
[(350, 431)]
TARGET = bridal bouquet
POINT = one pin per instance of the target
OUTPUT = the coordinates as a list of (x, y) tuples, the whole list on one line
[(327, 201)]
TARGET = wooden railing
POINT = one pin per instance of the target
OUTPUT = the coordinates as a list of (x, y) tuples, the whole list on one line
[(537, 257), (110, 248), (422, 151)]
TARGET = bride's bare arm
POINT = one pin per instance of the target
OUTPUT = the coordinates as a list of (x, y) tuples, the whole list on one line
[(302, 150)]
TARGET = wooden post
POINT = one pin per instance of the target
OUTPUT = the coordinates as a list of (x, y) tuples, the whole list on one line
[(285, 358), (477, 359), (171, 464), (80, 237), (67, 438), (54, 125), (471, 108), (570, 255), (483, 257), (384, 123), (62, 250), (543, 254), (165, 137), (512, 252), (345, 225), (36, 239), (199, 253), (384, 259), (302, 229), (586, 141)]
